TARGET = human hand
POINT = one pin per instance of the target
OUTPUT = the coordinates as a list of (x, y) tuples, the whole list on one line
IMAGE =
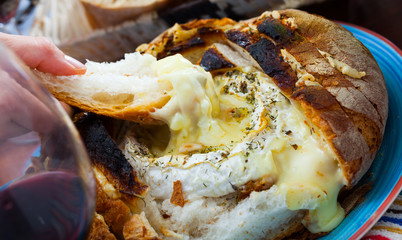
[(42, 54), (39, 53), (21, 112)]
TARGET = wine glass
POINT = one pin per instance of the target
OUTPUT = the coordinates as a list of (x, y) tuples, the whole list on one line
[(47, 188)]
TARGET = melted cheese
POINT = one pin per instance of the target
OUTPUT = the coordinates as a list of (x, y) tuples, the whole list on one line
[(342, 67), (195, 114), (181, 34), (268, 14), (311, 179), (303, 77), (271, 140)]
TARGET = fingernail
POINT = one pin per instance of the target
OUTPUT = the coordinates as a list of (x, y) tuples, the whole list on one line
[(75, 62), (79, 68)]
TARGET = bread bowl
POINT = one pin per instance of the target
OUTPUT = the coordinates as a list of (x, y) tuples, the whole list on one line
[(293, 110)]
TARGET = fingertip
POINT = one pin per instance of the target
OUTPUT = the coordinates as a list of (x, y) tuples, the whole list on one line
[(78, 67), (74, 62), (47, 57), (80, 71), (69, 70), (62, 65)]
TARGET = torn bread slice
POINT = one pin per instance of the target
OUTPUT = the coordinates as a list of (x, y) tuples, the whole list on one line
[(128, 89)]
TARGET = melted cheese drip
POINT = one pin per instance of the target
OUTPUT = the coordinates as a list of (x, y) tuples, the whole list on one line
[(196, 116), (311, 179), (320, 169), (278, 145)]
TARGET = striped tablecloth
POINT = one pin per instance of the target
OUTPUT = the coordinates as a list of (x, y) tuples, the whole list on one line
[(389, 227)]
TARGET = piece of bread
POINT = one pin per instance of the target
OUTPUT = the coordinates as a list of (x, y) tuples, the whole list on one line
[(138, 227), (314, 87), (128, 89), (99, 229), (106, 13), (61, 21)]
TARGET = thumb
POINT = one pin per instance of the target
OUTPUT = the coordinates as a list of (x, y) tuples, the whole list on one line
[(42, 54)]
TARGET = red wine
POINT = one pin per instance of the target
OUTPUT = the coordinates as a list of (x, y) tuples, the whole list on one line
[(50, 205), (8, 8)]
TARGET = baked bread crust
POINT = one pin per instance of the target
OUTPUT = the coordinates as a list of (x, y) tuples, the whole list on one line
[(348, 111), (364, 101)]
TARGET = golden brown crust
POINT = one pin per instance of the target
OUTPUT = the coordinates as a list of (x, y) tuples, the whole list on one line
[(255, 186), (140, 113), (364, 101), (99, 230), (138, 228), (114, 211), (178, 38), (177, 195), (353, 129), (350, 113)]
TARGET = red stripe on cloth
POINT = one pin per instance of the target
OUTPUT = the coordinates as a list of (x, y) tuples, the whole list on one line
[(375, 237)]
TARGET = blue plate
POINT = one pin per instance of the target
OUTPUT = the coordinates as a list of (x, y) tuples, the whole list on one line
[(385, 175)]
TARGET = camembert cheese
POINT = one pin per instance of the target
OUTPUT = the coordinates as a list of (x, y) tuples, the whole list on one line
[(233, 128)]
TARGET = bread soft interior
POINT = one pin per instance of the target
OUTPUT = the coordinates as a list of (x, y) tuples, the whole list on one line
[(129, 88)]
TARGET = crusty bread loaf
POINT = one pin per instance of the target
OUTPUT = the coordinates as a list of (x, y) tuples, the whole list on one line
[(315, 90), (351, 111), (325, 72)]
